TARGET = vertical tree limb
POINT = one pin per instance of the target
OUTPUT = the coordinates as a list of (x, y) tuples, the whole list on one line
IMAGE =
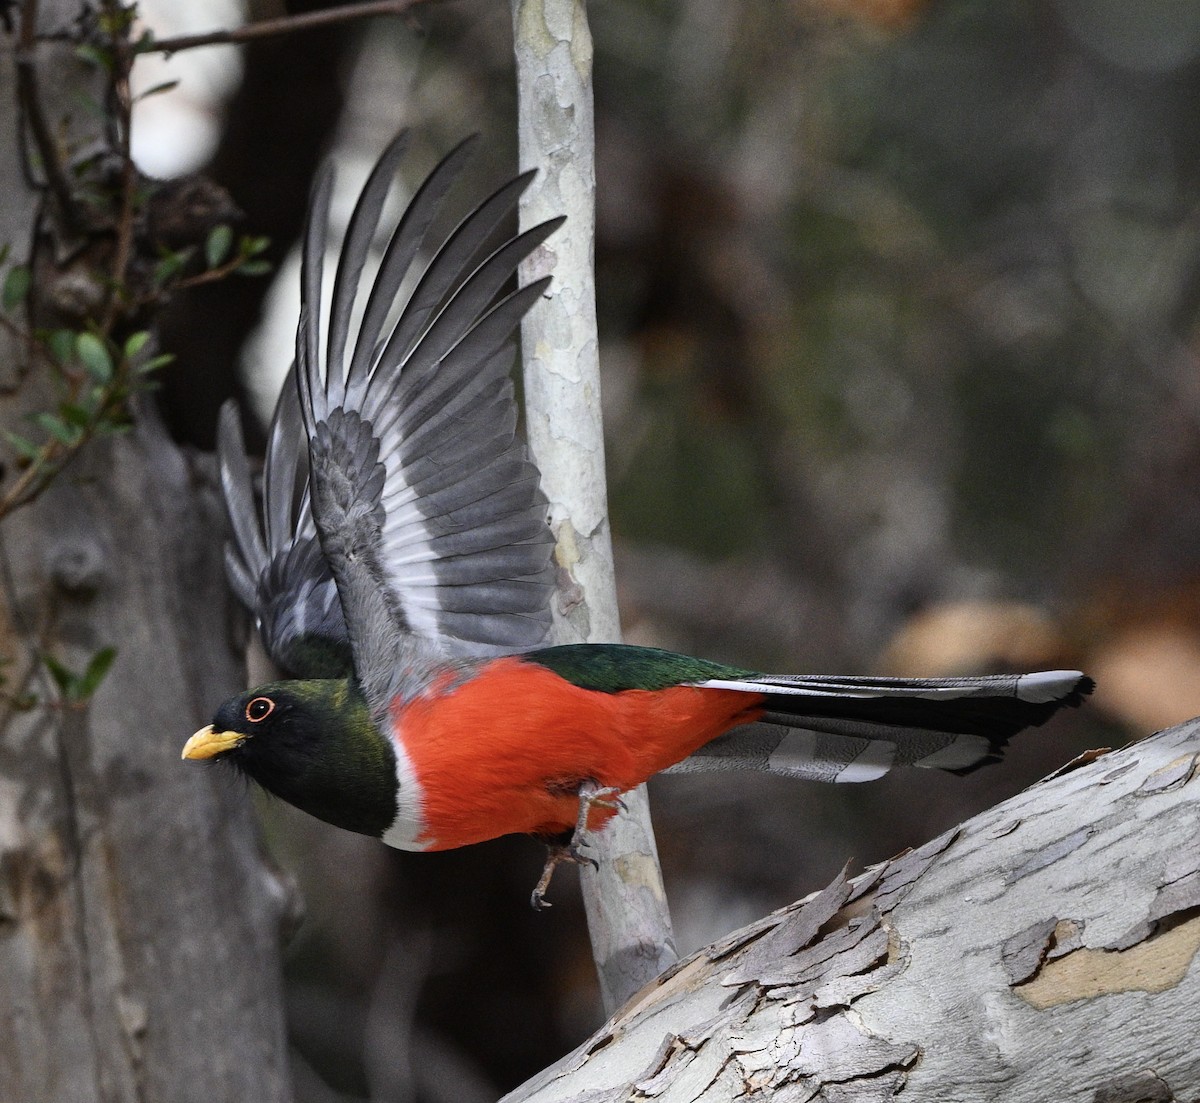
[(626, 905)]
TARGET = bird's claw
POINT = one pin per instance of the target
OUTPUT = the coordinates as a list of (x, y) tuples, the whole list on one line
[(568, 853)]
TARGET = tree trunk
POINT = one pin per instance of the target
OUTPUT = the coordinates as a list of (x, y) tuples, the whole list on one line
[(1044, 950), (628, 919), (139, 954)]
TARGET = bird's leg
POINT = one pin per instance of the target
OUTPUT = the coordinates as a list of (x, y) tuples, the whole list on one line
[(567, 846), (563, 850)]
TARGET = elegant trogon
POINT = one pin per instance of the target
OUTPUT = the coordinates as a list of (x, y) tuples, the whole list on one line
[(401, 576)]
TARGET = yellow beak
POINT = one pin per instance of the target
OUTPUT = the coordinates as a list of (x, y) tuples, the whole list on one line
[(206, 743)]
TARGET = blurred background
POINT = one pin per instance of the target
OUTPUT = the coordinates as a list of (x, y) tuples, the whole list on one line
[(898, 308)]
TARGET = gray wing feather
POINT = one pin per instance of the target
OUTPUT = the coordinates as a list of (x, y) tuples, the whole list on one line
[(248, 551), (453, 259), (447, 527), (276, 569), (398, 258), (360, 233)]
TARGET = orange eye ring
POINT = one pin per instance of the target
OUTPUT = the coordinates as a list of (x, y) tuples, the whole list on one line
[(259, 709)]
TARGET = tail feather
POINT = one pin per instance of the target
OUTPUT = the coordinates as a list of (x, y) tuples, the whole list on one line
[(856, 729)]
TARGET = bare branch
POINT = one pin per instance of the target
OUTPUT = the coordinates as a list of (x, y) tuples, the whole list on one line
[(270, 28)]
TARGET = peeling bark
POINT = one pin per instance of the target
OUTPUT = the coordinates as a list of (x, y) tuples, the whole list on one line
[(1044, 950)]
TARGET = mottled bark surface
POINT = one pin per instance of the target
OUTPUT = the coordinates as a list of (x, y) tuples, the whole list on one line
[(1044, 950), (628, 919), (139, 947)]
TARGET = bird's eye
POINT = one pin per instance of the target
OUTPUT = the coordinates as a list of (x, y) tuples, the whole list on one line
[(259, 709)]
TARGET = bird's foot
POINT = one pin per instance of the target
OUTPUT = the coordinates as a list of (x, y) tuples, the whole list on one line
[(559, 853), (593, 795), (569, 849)]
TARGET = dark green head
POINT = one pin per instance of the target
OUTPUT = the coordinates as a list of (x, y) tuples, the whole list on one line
[(311, 743)]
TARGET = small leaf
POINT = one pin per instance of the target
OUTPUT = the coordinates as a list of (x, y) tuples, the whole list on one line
[(135, 344), (75, 415), (158, 89), (93, 55), (251, 246), (160, 361), (95, 357), (216, 248), (5, 249), (22, 446), (61, 344), (171, 265), (63, 678), (58, 429), (97, 668), (254, 268), (16, 286)]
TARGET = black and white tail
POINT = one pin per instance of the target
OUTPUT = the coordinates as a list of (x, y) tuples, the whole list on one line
[(856, 729)]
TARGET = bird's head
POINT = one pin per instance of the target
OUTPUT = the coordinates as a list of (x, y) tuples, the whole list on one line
[(311, 743)]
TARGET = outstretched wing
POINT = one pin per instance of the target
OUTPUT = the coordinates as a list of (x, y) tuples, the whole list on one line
[(411, 424)]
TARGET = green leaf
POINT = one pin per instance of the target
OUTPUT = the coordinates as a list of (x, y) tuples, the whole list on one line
[(97, 668), (216, 248), (251, 246), (5, 249), (254, 268), (160, 361), (16, 286), (93, 55), (61, 344), (135, 344), (75, 415), (58, 429), (63, 678), (22, 446), (94, 355), (171, 265)]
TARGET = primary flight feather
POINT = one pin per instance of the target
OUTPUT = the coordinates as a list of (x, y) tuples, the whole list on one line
[(401, 580)]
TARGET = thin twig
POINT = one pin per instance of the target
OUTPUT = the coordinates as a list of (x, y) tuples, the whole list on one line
[(31, 107), (186, 283), (123, 58), (288, 24)]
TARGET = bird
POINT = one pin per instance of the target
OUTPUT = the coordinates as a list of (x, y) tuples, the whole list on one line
[(400, 575)]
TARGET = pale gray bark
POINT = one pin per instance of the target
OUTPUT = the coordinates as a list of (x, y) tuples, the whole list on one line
[(626, 905), (1044, 950), (139, 944)]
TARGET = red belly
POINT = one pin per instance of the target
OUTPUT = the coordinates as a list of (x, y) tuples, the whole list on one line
[(503, 752)]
